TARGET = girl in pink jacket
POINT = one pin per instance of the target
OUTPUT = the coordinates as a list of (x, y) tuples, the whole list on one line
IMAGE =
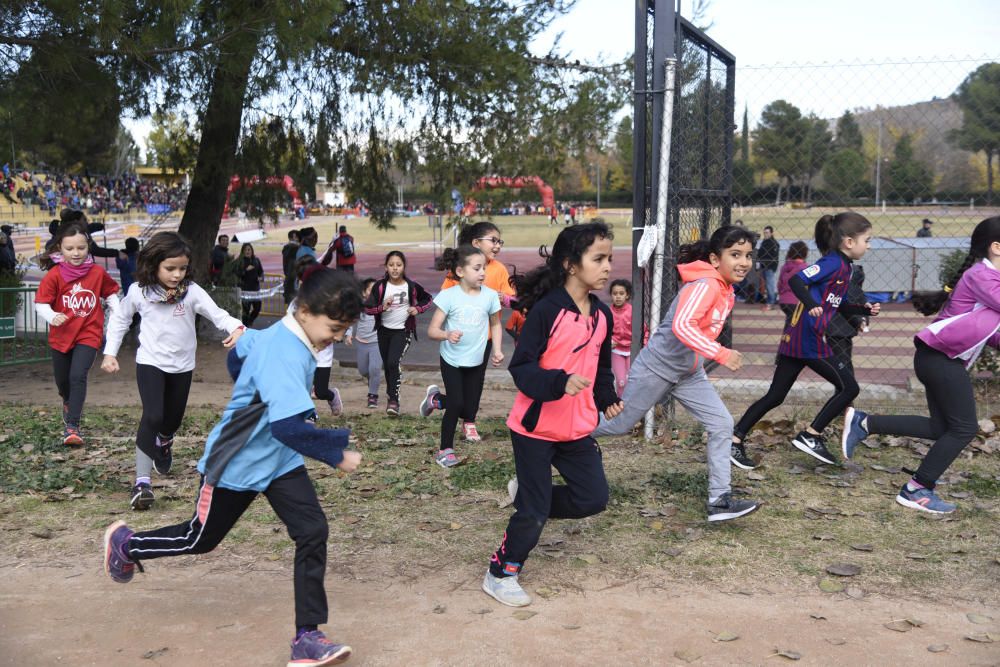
[(621, 336)]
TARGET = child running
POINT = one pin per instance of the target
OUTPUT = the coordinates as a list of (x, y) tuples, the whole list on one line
[(69, 299), (968, 320), (468, 314), (366, 345), (257, 447), (167, 301), (821, 288), (671, 363), (324, 359), (485, 236), (562, 369), (395, 301), (621, 341)]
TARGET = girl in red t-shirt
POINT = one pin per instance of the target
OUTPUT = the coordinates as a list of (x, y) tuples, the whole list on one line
[(69, 299)]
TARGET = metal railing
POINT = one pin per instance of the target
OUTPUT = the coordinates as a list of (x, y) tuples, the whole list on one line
[(23, 334)]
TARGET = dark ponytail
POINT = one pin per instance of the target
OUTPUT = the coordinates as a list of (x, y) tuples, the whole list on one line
[(470, 233), (831, 230), (329, 292), (721, 238), (984, 235), (453, 258), (570, 246)]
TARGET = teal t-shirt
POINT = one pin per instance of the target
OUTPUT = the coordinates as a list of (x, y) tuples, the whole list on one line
[(280, 367), (469, 314)]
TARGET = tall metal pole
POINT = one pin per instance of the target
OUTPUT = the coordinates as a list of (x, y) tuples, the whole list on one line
[(878, 165), (598, 187), (640, 197)]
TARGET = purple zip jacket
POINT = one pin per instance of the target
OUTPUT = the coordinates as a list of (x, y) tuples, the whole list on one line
[(970, 319)]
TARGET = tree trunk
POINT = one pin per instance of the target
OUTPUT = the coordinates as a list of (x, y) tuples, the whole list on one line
[(777, 197), (217, 149)]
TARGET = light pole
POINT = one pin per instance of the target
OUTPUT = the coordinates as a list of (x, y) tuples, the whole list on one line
[(597, 165), (878, 165)]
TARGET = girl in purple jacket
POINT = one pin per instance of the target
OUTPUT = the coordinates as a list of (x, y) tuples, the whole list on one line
[(968, 320)]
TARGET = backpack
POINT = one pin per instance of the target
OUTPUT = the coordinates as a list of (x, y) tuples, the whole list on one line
[(346, 246)]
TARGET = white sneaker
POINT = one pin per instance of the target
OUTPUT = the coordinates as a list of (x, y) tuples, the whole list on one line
[(427, 405), (505, 590), (512, 489)]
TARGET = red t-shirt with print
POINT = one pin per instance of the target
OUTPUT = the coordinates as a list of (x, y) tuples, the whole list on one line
[(80, 301)]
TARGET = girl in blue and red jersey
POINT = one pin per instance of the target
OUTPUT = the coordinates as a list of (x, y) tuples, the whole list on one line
[(562, 369), (820, 289), (968, 319)]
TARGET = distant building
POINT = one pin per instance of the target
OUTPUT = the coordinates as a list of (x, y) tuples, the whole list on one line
[(331, 194), (168, 177)]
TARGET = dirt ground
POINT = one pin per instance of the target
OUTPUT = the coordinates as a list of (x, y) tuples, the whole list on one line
[(230, 607)]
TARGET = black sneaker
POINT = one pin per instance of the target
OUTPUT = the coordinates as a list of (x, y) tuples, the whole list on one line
[(814, 446), (727, 507), (142, 496), (738, 457), (164, 458)]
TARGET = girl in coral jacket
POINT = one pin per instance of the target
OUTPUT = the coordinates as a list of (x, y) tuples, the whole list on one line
[(621, 338), (69, 299), (671, 363), (968, 319), (562, 369)]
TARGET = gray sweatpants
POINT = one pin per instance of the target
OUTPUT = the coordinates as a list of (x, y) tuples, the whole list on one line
[(370, 364), (694, 391)]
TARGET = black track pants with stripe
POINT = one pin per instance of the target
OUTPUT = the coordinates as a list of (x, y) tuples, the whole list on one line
[(293, 499)]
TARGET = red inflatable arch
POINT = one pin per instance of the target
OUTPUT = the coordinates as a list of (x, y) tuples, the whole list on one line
[(285, 182), (544, 189)]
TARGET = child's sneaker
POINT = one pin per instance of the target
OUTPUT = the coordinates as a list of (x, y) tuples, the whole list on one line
[(738, 457), (142, 496), (814, 446), (446, 458), (313, 648), (72, 437), (428, 405), (925, 500), (164, 458), (392, 408), (118, 566), (854, 431), (372, 401), (726, 507), (505, 590), (470, 432), (336, 405)]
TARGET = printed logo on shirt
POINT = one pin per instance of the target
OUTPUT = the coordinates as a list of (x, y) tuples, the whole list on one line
[(717, 321), (80, 301), (179, 310), (840, 282), (833, 300), (810, 271)]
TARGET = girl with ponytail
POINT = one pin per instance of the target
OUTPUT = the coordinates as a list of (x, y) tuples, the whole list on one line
[(968, 319)]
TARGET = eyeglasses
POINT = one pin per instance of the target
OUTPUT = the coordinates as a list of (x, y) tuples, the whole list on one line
[(492, 239)]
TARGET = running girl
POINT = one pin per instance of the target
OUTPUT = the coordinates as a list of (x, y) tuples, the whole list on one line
[(820, 288), (621, 341), (69, 299), (486, 237), (249, 271), (395, 301), (671, 362), (256, 448), (468, 314), (968, 320), (366, 345), (562, 369), (167, 301)]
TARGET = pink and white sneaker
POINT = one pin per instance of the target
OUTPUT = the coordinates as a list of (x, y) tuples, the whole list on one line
[(470, 432)]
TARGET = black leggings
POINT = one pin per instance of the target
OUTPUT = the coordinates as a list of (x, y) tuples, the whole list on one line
[(463, 386), (321, 383), (952, 423), (785, 374), (164, 399), (70, 369), (251, 309), (843, 350), (473, 400), (292, 497), (392, 345)]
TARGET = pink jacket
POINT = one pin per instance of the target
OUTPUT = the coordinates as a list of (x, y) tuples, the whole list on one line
[(621, 334), (790, 268)]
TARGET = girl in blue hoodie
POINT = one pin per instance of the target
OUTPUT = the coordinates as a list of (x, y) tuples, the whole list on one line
[(968, 319)]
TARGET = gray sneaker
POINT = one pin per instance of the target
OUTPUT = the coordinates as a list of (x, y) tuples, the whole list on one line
[(505, 590), (727, 507)]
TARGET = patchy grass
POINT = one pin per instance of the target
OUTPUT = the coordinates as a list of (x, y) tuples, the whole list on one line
[(400, 507)]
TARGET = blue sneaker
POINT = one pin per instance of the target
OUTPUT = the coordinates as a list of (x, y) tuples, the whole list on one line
[(336, 404), (924, 500), (854, 433), (118, 566), (313, 648)]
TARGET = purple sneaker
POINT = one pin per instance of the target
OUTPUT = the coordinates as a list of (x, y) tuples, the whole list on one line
[(336, 405), (118, 566), (313, 648), (164, 454)]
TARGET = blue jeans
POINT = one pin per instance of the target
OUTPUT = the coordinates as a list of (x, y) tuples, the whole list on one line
[(771, 284)]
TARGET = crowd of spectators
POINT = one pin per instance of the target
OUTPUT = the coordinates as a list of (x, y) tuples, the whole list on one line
[(92, 194)]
